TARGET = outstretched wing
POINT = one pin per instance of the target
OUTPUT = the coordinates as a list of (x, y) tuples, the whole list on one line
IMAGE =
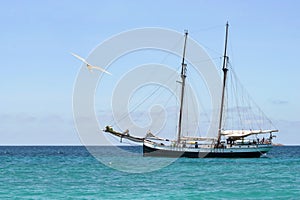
[(100, 68), (80, 58)]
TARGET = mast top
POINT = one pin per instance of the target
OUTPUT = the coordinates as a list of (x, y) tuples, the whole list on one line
[(183, 64), (224, 68)]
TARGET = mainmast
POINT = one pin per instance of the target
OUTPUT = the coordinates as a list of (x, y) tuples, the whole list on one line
[(225, 70), (183, 76)]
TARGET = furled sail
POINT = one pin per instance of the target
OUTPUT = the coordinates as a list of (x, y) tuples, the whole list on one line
[(244, 133)]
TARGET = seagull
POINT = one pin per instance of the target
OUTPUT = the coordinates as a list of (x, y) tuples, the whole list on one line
[(88, 65)]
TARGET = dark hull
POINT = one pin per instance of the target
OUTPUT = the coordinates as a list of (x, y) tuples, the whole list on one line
[(149, 151)]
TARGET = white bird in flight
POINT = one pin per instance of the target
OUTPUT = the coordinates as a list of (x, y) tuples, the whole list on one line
[(88, 65)]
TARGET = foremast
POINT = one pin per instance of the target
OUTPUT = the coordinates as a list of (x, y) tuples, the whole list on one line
[(225, 70), (183, 77)]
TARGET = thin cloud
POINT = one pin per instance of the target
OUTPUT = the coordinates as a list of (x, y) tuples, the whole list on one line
[(280, 102), (19, 118), (239, 109)]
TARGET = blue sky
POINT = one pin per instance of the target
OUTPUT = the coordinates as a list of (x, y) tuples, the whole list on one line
[(38, 73)]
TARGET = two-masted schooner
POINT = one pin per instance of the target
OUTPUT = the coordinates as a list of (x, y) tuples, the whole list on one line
[(227, 144)]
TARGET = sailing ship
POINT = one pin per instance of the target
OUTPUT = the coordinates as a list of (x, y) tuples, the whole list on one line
[(227, 144)]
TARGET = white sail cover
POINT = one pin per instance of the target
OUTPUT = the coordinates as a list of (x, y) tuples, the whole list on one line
[(244, 133)]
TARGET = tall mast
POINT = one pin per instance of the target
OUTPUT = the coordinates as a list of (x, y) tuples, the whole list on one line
[(183, 76), (225, 70)]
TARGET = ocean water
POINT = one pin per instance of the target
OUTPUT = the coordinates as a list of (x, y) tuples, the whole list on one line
[(67, 172)]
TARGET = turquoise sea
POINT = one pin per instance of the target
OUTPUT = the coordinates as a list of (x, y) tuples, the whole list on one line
[(71, 172)]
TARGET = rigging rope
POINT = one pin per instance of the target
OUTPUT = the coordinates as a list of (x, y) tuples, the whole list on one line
[(194, 105), (127, 114), (249, 113), (168, 100)]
